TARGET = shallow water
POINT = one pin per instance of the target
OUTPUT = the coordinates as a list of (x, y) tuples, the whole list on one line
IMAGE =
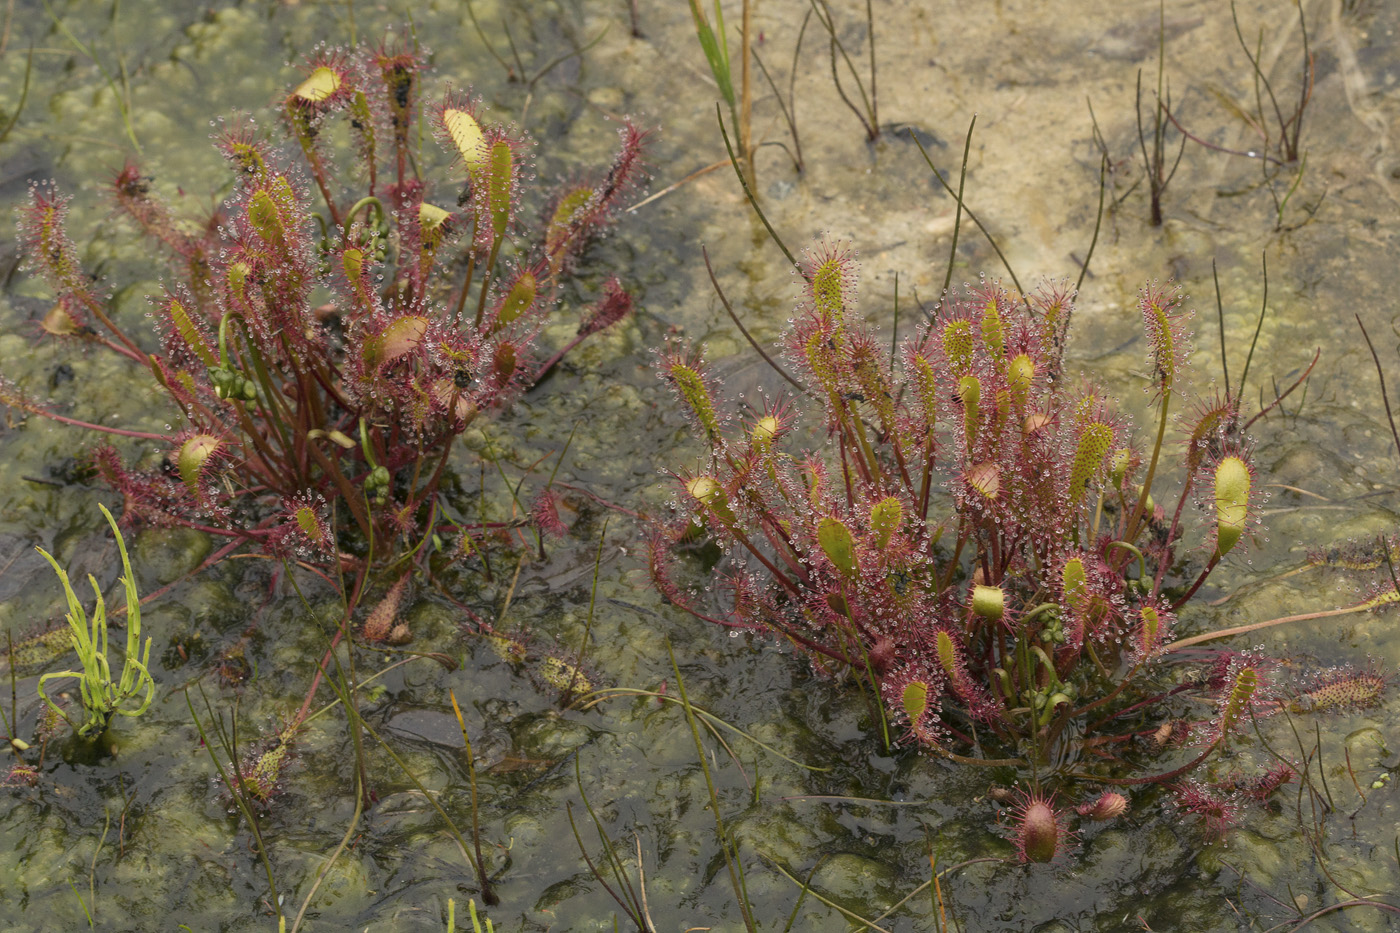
[(145, 840)]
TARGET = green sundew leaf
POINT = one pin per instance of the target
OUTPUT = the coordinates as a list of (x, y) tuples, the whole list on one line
[(1241, 692), (691, 386), (992, 335), (318, 86), (1232, 484), (518, 300), (572, 206), (309, 524), (989, 602), (353, 261), (838, 545), (431, 225), (885, 519), (1020, 372), (915, 700), (1075, 582), (829, 288), (1095, 441), (363, 122), (430, 218), (265, 217), (947, 655), (398, 339), (180, 319), (248, 157), (500, 186), (970, 392), (958, 346), (1164, 350), (238, 278), (1210, 422), (280, 188), (1151, 626), (765, 429), (466, 134), (926, 388), (710, 494), (820, 359)]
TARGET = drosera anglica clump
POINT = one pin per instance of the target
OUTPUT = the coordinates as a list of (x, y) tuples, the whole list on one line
[(982, 542), (334, 326)]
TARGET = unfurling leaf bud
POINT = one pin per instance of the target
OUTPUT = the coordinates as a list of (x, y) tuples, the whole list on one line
[(1109, 805)]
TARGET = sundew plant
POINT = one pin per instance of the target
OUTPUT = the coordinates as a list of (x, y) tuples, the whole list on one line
[(339, 321), (982, 544)]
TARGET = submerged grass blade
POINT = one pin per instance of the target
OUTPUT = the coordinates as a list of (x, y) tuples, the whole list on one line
[(963, 208), (709, 718), (734, 161), (848, 914), (236, 789), (471, 776), (24, 96), (730, 856)]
